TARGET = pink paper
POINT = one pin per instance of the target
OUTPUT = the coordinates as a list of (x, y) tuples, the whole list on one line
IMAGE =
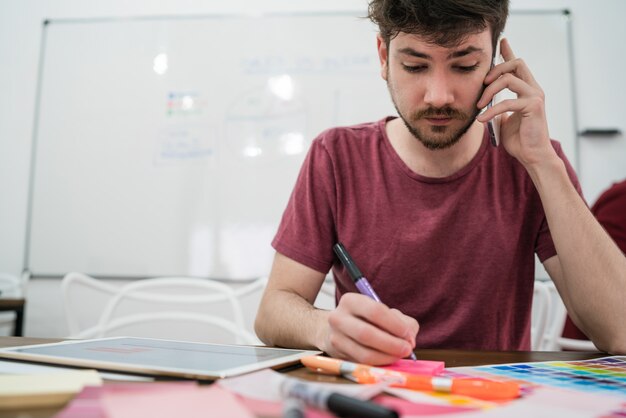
[(408, 409), (87, 404), (424, 367), (275, 409), (188, 402)]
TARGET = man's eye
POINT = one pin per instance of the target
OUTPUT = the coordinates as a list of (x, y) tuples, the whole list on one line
[(466, 68), (414, 68)]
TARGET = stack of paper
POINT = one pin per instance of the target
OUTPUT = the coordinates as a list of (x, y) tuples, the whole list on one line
[(155, 400), (40, 390)]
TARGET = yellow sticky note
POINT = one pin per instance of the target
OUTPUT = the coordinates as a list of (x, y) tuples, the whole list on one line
[(38, 390)]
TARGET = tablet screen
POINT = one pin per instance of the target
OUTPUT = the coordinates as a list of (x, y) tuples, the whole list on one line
[(159, 357)]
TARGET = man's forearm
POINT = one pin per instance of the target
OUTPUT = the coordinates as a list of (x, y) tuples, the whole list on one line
[(593, 267), (288, 320)]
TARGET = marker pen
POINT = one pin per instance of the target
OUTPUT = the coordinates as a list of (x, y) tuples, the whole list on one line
[(357, 277), (293, 408), (338, 404), (362, 373)]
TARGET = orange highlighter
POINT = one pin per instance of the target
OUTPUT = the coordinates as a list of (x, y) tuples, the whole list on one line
[(362, 373)]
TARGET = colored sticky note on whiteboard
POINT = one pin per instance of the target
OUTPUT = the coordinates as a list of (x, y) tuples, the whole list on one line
[(424, 367)]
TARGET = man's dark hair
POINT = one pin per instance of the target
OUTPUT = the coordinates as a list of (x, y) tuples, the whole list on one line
[(441, 22)]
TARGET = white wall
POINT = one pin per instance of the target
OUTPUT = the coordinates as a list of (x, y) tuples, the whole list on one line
[(20, 32), (598, 34), (599, 55)]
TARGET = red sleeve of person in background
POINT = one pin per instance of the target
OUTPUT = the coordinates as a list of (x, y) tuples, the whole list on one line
[(610, 211)]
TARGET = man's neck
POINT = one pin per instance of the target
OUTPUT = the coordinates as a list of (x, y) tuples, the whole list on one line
[(434, 163)]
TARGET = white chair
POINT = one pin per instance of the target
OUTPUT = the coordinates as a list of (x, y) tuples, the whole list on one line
[(540, 313), (84, 299), (11, 287), (326, 296), (556, 316), (573, 344), (179, 308)]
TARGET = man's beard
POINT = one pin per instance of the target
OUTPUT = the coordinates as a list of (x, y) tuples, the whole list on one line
[(442, 137), (439, 137)]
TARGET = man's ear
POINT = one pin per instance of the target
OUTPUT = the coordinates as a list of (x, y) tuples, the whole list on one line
[(383, 55)]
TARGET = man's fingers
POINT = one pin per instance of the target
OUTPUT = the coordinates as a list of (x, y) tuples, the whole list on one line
[(375, 313), (506, 51), (509, 81), (511, 65), (368, 331), (347, 348), (411, 323), (367, 334)]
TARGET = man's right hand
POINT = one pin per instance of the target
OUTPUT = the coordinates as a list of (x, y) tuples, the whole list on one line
[(358, 329), (365, 331)]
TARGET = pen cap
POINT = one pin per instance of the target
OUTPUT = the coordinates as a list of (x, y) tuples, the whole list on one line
[(364, 377), (486, 389), (347, 261), (324, 365)]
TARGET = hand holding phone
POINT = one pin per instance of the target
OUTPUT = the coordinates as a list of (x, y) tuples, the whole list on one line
[(494, 124)]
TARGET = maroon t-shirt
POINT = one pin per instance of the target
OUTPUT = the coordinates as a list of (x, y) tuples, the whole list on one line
[(610, 211), (456, 253)]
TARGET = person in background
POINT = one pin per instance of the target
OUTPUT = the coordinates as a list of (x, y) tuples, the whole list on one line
[(444, 225), (610, 211)]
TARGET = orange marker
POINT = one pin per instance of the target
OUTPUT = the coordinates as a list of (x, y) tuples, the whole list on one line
[(362, 373)]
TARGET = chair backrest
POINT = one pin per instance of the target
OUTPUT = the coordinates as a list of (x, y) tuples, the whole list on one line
[(555, 316), (10, 286), (84, 298), (168, 307), (540, 313), (326, 296), (573, 344), (556, 320)]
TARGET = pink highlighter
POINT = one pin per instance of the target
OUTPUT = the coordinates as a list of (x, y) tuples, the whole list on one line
[(421, 367)]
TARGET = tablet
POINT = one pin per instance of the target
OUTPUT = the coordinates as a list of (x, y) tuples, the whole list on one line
[(159, 357)]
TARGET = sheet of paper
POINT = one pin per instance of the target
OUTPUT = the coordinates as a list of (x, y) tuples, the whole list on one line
[(49, 389), (190, 402), (435, 398), (275, 409), (19, 367), (547, 402), (87, 404), (585, 388), (606, 375), (264, 385), (408, 409)]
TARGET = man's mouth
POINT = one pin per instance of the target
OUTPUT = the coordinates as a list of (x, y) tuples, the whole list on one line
[(438, 120)]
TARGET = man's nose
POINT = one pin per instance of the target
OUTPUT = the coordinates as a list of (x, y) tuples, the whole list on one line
[(438, 90)]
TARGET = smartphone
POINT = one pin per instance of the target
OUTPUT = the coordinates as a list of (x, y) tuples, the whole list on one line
[(493, 126)]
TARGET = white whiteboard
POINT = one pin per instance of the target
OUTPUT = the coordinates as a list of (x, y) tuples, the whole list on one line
[(169, 146)]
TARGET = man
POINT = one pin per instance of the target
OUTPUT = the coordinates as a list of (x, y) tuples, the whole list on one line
[(443, 225)]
